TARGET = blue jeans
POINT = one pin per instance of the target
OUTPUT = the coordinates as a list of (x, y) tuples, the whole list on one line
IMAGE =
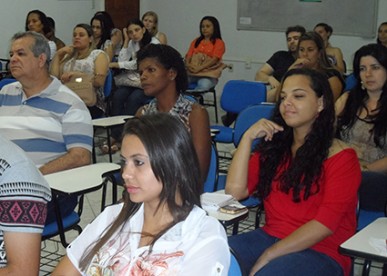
[(126, 100), (249, 246), (373, 191), (202, 83)]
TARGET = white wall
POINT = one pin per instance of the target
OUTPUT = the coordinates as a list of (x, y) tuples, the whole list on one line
[(66, 13), (179, 19)]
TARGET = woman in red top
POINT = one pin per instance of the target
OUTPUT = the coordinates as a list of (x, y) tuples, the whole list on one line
[(307, 179), (204, 53)]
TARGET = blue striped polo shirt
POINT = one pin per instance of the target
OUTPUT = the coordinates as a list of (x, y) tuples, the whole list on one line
[(45, 125)]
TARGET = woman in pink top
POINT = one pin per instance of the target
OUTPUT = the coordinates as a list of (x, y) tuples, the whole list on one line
[(210, 47)]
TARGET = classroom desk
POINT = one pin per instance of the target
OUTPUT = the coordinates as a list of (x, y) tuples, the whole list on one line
[(107, 123), (80, 180), (228, 219), (359, 246), (77, 181)]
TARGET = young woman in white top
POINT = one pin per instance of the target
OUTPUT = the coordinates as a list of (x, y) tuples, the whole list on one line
[(37, 21), (106, 37), (127, 99), (159, 229)]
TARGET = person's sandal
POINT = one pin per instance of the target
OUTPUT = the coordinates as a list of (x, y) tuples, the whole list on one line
[(104, 148), (114, 148)]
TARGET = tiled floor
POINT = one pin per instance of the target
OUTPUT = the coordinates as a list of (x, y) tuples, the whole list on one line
[(52, 250)]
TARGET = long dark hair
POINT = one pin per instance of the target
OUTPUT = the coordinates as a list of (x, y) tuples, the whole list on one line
[(324, 63), (358, 97), (169, 58), (216, 33), (43, 20), (147, 37), (326, 27), (304, 171), (377, 38), (106, 28), (174, 163)]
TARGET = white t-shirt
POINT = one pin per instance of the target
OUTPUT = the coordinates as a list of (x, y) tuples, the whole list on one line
[(195, 246)]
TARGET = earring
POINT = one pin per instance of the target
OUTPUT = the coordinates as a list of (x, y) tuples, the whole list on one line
[(362, 85)]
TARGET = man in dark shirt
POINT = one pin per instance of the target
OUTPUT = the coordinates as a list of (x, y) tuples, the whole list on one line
[(274, 69)]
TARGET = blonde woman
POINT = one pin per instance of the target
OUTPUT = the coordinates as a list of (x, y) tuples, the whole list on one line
[(151, 20)]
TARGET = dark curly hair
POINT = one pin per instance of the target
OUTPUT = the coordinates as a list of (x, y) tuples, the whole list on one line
[(358, 97), (216, 33), (304, 171), (169, 58)]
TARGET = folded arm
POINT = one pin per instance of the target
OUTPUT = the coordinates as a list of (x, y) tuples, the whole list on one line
[(75, 157), (236, 184)]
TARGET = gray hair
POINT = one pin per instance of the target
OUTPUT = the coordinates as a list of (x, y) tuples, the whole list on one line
[(40, 45)]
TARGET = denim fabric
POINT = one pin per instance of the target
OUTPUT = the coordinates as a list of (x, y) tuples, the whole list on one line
[(66, 204), (249, 246), (203, 84), (126, 101)]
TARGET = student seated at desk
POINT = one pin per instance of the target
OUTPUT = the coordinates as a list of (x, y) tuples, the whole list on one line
[(163, 76), (159, 229), (307, 179)]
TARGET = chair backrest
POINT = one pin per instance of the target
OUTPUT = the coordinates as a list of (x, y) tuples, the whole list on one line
[(235, 269), (350, 82), (4, 82), (212, 176), (239, 94), (107, 88), (248, 117)]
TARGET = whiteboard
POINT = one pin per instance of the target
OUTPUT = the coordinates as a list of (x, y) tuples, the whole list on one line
[(347, 17)]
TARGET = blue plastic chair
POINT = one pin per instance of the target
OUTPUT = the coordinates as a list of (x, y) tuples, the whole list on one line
[(212, 176), (365, 217), (62, 225), (248, 117), (235, 269), (4, 82), (199, 96), (350, 82), (107, 90), (236, 96)]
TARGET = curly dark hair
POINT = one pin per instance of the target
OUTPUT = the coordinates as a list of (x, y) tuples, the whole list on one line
[(358, 97), (381, 24), (216, 33), (304, 171), (169, 58)]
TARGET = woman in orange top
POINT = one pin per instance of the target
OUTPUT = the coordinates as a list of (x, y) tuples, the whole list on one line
[(204, 53)]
